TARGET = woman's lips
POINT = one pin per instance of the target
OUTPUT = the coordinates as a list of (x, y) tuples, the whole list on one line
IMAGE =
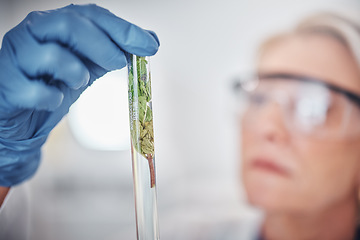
[(270, 166)]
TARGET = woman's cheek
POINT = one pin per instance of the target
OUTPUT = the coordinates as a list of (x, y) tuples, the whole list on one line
[(329, 170)]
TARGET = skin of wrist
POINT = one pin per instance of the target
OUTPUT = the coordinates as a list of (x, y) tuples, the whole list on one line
[(3, 192)]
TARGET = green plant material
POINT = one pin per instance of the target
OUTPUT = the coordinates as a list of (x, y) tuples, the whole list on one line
[(141, 117)]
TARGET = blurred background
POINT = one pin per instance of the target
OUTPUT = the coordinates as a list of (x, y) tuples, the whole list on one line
[(84, 190)]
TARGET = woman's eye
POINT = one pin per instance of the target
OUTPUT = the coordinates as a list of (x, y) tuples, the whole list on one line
[(312, 110)]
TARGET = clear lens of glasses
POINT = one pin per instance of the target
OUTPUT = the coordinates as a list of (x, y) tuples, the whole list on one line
[(306, 107)]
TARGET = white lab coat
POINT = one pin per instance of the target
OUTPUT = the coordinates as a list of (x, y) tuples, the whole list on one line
[(15, 214)]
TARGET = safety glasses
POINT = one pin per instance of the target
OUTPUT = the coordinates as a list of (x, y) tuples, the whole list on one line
[(308, 106)]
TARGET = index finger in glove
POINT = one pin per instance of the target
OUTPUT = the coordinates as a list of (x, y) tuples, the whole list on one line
[(126, 35), (78, 34)]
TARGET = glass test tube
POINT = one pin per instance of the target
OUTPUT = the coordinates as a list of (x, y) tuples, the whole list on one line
[(142, 147)]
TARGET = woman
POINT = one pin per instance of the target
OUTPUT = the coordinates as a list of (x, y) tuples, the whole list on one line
[(301, 132)]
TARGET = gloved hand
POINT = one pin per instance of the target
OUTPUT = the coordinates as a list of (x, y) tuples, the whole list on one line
[(46, 62)]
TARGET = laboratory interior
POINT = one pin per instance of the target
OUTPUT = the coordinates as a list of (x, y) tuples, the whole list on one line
[(83, 188)]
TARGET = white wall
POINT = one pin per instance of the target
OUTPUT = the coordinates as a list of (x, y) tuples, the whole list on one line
[(203, 45)]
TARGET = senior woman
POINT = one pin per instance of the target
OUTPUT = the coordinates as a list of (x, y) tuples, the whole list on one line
[(301, 131)]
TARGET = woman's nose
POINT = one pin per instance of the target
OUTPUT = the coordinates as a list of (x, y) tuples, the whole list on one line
[(269, 124)]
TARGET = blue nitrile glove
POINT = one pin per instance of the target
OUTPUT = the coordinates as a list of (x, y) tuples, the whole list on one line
[(46, 62)]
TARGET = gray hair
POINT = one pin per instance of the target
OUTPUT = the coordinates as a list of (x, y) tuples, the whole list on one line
[(342, 27)]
